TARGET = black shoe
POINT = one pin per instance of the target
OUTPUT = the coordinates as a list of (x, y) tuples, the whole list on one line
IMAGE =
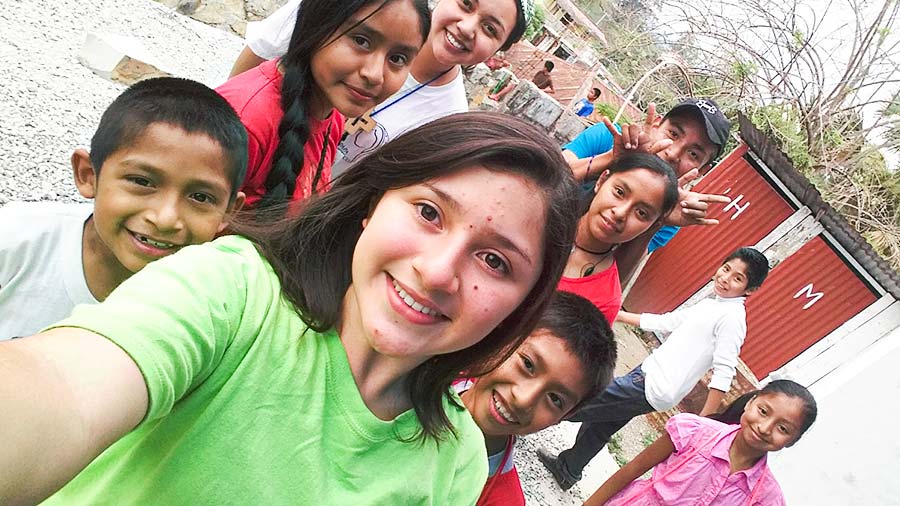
[(553, 465)]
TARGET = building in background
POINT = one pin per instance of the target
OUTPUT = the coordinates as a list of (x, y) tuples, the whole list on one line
[(828, 317)]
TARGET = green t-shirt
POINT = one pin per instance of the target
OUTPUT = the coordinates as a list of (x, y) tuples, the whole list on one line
[(244, 408)]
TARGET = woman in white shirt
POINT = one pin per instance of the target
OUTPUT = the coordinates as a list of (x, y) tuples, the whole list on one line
[(463, 32)]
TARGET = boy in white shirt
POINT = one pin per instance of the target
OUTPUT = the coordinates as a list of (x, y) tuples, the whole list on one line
[(165, 164), (706, 335)]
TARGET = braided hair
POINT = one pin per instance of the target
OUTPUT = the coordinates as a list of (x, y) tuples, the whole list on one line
[(317, 25)]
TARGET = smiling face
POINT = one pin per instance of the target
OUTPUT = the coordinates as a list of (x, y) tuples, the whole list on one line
[(771, 421), (166, 190), (466, 32), (691, 147), (532, 390), (441, 263), (625, 205), (370, 62), (730, 280)]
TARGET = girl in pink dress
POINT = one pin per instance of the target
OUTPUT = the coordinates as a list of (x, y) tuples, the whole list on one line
[(710, 462)]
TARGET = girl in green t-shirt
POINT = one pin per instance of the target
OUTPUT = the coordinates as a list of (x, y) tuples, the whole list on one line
[(435, 255)]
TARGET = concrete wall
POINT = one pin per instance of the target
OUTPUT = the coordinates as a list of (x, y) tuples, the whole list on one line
[(851, 455), (525, 101)]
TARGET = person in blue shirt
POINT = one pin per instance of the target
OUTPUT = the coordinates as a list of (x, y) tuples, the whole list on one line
[(585, 106), (689, 137)]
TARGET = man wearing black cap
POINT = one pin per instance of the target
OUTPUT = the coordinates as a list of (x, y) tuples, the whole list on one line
[(689, 137)]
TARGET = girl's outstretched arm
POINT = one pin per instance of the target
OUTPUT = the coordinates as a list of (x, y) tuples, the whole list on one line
[(660, 450), (66, 395)]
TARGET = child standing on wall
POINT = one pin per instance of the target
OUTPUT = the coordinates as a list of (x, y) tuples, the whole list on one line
[(716, 461), (347, 57), (706, 335)]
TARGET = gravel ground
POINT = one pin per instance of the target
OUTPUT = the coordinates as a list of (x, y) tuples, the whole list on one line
[(51, 104)]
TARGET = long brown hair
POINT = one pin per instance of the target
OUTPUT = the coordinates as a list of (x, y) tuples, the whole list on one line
[(313, 252), (316, 26)]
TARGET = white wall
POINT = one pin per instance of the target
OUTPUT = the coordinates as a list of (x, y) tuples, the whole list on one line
[(851, 455)]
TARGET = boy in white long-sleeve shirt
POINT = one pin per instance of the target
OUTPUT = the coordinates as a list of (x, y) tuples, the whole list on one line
[(706, 335)]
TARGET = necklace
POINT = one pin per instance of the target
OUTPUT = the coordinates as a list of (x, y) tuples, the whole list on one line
[(588, 268), (592, 252), (366, 122)]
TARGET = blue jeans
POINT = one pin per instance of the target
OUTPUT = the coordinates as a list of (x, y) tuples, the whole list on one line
[(602, 417)]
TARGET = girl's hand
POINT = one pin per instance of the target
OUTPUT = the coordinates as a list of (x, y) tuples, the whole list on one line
[(693, 207)]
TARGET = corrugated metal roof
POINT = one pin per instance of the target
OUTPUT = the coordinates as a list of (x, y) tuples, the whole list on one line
[(834, 223), (683, 266), (804, 299)]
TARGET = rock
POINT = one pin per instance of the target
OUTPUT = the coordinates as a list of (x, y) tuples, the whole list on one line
[(567, 127), (259, 9), (532, 104), (220, 12), (119, 58)]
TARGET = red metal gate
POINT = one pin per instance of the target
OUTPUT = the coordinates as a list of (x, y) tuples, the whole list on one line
[(683, 266), (803, 300)]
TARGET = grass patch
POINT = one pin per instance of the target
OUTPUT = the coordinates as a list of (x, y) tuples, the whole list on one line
[(615, 449)]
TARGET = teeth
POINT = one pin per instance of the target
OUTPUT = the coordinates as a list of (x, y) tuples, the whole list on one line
[(503, 412), (456, 43), (155, 244), (411, 302)]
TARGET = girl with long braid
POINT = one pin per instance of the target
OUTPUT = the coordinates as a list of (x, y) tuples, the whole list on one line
[(463, 33), (345, 57)]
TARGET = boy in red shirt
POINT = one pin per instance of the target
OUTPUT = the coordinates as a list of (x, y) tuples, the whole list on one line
[(569, 358)]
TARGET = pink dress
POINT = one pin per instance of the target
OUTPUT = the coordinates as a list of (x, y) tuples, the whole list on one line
[(698, 473)]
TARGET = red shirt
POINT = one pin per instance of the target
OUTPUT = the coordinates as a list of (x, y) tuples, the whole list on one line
[(601, 288), (502, 489), (256, 96)]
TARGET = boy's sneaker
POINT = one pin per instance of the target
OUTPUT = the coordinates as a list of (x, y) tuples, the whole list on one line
[(552, 463)]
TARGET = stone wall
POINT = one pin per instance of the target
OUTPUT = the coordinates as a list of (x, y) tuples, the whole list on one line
[(525, 101), (231, 15)]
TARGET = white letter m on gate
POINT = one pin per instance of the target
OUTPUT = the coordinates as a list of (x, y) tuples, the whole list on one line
[(808, 290)]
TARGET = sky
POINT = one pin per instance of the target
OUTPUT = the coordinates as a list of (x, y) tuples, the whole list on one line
[(835, 33)]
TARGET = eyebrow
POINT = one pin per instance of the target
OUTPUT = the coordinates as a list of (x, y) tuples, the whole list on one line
[(491, 17), (699, 147), (367, 29), (192, 183), (538, 361), (504, 241)]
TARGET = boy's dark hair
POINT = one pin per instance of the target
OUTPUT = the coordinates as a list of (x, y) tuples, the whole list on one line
[(597, 92), (312, 253), (732, 414), (587, 334), (634, 161), (188, 105), (316, 26), (548, 65), (757, 265)]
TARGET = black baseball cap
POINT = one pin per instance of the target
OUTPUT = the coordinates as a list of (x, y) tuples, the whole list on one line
[(717, 125)]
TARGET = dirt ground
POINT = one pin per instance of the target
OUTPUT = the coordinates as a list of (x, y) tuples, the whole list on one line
[(539, 487)]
